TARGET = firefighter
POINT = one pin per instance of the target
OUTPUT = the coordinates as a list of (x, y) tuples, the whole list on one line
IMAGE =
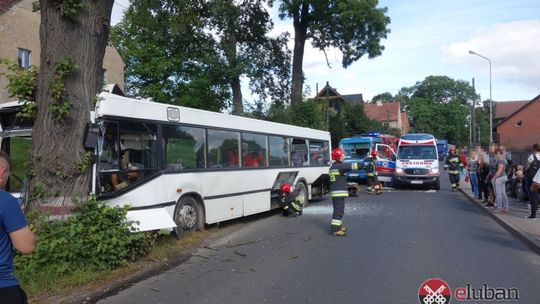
[(338, 189), (292, 206), (453, 165), (374, 186)]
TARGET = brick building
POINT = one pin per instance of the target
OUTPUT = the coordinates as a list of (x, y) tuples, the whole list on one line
[(520, 129), (19, 36), (388, 113)]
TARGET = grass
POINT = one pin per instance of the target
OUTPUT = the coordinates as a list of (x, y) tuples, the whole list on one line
[(42, 287)]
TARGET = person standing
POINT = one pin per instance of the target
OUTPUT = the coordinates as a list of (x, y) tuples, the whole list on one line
[(472, 171), (453, 165), (371, 171), (492, 169), (529, 174), (499, 180), (483, 173), (14, 233), (338, 190), (535, 193)]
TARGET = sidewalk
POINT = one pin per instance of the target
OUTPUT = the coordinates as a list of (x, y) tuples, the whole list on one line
[(514, 220)]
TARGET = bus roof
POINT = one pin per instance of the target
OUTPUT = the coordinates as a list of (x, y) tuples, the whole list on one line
[(119, 106)]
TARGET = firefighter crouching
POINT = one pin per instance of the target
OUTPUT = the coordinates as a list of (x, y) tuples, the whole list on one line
[(453, 165), (338, 190), (290, 201), (373, 183)]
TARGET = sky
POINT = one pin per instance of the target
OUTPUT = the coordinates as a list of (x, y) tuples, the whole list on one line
[(434, 38)]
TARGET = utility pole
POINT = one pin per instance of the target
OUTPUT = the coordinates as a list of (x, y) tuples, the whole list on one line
[(473, 115), (327, 108)]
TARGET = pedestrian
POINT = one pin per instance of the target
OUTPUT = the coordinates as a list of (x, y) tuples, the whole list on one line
[(492, 169), (472, 172), (483, 174), (499, 180), (535, 193), (529, 173), (453, 165), (14, 233), (374, 186), (338, 190)]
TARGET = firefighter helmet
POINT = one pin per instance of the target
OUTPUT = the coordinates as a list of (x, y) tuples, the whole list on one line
[(374, 154), (337, 154), (285, 188)]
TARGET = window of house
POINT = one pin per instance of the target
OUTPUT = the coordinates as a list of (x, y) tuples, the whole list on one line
[(279, 151), (223, 149), (184, 147), (253, 150), (23, 58)]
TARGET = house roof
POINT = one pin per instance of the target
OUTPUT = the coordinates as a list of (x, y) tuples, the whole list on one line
[(503, 109), (333, 94), (527, 103), (5, 5), (387, 111)]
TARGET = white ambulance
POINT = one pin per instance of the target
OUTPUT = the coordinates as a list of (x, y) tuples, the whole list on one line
[(417, 162)]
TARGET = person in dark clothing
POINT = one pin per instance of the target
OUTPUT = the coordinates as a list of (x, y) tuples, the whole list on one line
[(290, 201), (453, 165), (483, 172), (374, 186), (338, 190)]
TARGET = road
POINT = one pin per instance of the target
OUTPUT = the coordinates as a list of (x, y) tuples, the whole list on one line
[(396, 241)]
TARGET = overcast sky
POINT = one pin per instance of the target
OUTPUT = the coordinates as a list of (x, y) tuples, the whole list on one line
[(433, 38)]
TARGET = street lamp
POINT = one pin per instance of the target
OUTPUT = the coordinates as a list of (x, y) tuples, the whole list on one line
[(490, 100)]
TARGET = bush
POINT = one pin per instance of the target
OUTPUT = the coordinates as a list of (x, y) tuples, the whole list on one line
[(97, 237)]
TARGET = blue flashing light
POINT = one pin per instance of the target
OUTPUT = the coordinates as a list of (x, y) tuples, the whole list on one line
[(374, 134)]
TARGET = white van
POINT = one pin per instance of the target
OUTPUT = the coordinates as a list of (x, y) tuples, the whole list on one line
[(417, 162)]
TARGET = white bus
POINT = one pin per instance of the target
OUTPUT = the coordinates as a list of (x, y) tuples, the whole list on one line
[(183, 167)]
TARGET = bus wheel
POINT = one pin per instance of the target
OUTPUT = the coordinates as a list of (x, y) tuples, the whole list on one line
[(303, 194), (188, 216)]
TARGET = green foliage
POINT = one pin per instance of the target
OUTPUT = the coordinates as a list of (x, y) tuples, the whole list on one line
[(97, 237), (70, 8), (22, 83), (61, 107), (35, 6), (383, 97), (84, 163), (439, 105), (309, 114), (351, 120)]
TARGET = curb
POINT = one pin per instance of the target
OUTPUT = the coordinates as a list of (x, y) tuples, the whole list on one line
[(518, 232)]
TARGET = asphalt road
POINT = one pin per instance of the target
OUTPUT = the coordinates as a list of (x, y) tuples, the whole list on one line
[(396, 241)]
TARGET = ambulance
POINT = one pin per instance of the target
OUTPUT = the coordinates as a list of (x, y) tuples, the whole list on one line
[(417, 162)]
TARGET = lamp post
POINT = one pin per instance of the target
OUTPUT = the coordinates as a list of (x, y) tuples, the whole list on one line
[(490, 100)]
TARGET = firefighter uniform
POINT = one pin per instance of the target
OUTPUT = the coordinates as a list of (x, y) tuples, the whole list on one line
[(453, 165), (372, 177), (339, 191), (292, 204)]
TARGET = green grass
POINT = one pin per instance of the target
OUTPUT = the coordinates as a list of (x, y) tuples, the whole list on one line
[(19, 153)]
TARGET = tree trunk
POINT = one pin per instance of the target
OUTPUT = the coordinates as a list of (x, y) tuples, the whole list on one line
[(231, 53), (300, 36), (57, 145)]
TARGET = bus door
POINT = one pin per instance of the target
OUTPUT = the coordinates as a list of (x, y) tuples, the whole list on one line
[(386, 162)]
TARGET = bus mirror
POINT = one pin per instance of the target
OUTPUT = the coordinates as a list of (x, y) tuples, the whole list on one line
[(91, 134)]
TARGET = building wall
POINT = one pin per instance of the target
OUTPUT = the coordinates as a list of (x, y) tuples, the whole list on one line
[(19, 28), (525, 136)]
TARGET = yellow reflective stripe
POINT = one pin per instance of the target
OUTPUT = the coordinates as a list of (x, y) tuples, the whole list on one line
[(340, 193), (336, 223), (355, 166)]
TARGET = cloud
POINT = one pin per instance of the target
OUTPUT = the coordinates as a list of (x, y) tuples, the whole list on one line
[(512, 47)]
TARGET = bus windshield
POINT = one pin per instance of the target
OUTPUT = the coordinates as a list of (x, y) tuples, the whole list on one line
[(417, 152), (356, 150)]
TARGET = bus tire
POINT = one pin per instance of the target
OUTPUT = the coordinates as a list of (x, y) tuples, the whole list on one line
[(188, 216), (303, 195)]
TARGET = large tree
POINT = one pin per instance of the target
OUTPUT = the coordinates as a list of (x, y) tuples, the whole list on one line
[(170, 46), (440, 105), (73, 37), (355, 27)]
